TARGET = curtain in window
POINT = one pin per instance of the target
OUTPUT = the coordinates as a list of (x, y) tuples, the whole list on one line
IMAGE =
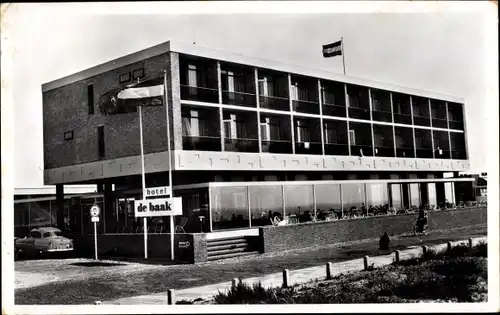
[(241, 129), (274, 130), (328, 97), (192, 76), (303, 133), (186, 127)]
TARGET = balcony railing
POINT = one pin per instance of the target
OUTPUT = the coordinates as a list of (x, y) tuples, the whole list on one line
[(405, 152), (334, 110), (420, 120), (424, 153), (239, 98), (359, 113), (308, 107), (456, 124), (439, 123), (380, 115), (356, 150), (203, 143), (277, 146), (241, 145), (199, 94), (384, 151), (308, 148), (402, 118), (273, 102), (336, 149), (458, 154)]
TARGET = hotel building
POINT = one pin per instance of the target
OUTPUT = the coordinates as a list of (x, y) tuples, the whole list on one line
[(250, 138)]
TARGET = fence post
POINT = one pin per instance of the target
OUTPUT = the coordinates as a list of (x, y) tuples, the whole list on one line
[(234, 283), (448, 246), (171, 297), (470, 243), (365, 262), (286, 278), (398, 255), (329, 269)]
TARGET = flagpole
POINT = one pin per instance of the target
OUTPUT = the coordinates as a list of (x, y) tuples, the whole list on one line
[(172, 231), (145, 219), (342, 46)]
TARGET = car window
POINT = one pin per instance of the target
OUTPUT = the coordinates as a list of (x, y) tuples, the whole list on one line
[(51, 233), (36, 234)]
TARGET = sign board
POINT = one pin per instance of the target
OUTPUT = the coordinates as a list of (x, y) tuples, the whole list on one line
[(184, 244), (94, 219), (94, 211), (158, 207), (158, 191)]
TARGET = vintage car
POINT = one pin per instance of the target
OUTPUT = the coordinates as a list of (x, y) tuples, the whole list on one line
[(43, 240)]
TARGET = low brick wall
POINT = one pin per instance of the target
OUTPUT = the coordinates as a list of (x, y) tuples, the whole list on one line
[(190, 248), (275, 239)]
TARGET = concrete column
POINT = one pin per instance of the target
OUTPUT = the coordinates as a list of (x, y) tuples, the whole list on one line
[(413, 127), (320, 102), (432, 131), (371, 121), (347, 116), (448, 125), (219, 87), (291, 112), (174, 102), (60, 205), (393, 127), (109, 220)]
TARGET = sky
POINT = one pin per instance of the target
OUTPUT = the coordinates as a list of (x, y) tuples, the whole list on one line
[(441, 49)]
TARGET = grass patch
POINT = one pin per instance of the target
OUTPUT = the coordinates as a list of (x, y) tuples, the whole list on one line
[(457, 276), (461, 250)]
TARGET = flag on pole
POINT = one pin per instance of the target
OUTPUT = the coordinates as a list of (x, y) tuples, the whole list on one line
[(145, 93), (333, 49)]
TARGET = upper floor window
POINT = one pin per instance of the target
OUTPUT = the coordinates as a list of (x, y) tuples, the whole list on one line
[(138, 74), (303, 134), (90, 99), (100, 141), (125, 77), (192, 75)]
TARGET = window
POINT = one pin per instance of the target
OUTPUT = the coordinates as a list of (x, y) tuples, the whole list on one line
[(294, 92), (90, 98), (230, 128), (125, 77), (36, 234), (352, 137), (331, 135), (191, 124), (68, 135), (263, 87), (100, 137), (302, 132), (192, 75), (265, 129), (138, 74), (328, 97)]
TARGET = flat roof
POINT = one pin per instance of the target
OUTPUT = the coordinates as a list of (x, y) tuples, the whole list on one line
[(197, 50), (51, 190)]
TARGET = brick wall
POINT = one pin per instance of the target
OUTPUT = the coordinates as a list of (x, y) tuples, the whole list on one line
[(275, 239), (194, 247), (66, 108)]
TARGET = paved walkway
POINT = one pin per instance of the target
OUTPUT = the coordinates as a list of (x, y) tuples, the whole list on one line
[(276, 279)]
